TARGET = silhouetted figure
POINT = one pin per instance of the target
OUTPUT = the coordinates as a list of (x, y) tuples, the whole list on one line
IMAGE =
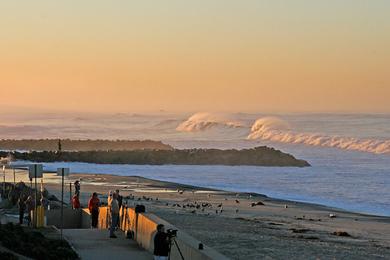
[(30, 205), (44, 202), (59, 146), (161, 243), (77, 187), (119, 198), (22, 208)]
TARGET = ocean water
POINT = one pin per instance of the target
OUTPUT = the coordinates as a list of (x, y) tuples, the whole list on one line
[(349, 153)]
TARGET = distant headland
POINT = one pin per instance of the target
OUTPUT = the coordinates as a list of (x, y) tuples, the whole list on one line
[(259, 156), (80, 145)]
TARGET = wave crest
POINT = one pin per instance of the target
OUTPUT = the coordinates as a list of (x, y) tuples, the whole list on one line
[(204, 121), (265, 124), (277, 130)]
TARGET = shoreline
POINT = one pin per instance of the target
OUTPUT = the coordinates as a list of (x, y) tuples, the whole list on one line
[(230, 223), (260, 195), (310, 184), (194, 187)]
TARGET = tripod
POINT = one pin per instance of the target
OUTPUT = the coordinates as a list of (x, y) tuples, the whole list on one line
[(177, 246)]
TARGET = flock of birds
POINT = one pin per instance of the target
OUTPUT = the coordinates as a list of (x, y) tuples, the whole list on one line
[(207, 208), (195, 206)]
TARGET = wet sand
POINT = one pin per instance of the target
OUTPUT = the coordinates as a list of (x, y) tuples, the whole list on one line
[(229, 222)]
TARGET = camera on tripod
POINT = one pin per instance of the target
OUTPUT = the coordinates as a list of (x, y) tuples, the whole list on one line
[(172, 233)]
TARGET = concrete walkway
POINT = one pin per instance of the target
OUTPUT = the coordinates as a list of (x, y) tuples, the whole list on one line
[(95, 244)]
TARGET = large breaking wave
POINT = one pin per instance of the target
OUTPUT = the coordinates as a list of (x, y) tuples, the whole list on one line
[(204, 121), (368, 133), (277, 130)]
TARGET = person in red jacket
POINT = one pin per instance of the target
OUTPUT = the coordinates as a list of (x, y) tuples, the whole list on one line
[(76, 201), (93, 206)]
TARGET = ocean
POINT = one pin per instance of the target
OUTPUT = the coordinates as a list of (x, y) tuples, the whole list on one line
[(349, 153)]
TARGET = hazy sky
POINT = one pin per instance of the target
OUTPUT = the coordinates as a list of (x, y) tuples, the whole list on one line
[(300, 55)]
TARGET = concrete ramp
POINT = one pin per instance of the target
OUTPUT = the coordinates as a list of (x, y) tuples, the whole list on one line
[(96, 244)]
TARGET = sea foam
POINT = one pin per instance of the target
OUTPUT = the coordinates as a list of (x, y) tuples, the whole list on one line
[(277, 130)]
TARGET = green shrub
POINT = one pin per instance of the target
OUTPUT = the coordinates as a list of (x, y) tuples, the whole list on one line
[(7, 256), (34, 244)]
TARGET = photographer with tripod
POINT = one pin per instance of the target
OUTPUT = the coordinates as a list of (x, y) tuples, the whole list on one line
[(163, 242)]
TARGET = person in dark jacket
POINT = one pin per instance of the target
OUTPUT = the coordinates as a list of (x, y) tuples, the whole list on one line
[(77, 187), (30, 205), (119, 198), (161, 244), (22, 208)]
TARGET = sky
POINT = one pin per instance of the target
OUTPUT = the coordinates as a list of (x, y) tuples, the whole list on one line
[(178, 55)]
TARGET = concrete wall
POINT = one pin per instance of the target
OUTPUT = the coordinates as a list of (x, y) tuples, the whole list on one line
[(128, 219), (144, 227), (72, 218), (144, 234), (86, 221), (75, 218), (104, 218)]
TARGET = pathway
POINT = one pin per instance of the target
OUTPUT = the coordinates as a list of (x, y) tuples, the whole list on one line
[(95, 244)]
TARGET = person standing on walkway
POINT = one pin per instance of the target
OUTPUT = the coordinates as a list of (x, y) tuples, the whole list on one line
[(44, 202), (77, 187), (109, 199), (114, 208), (161, 244), (76, 201), (119, 198), (93, 206), (30, 205), (22, 208)]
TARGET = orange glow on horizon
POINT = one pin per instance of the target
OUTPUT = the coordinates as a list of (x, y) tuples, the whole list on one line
[(196, 57)]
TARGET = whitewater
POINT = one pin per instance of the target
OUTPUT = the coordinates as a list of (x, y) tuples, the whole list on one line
[(349, 153)]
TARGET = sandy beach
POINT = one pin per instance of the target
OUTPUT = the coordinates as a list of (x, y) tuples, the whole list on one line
[(236, 226)]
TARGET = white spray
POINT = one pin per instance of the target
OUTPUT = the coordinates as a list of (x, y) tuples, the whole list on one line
[(277, 130), (204, 121)]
